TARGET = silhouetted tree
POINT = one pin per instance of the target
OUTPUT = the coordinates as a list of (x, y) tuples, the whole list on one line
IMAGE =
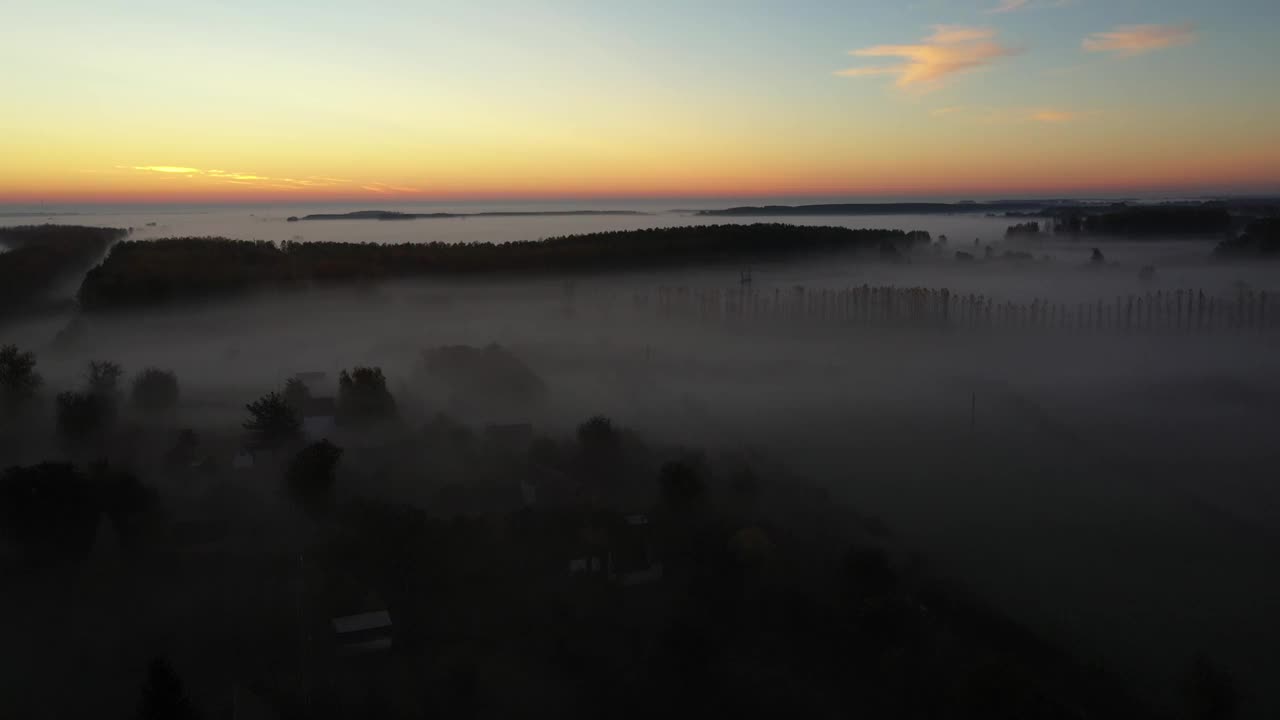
[(363, 397), (82, 417), (600, 446), (311, 475), (104, 377), (683, 487), (19, 380), (273, 423), (163, 696), (102, 382), (155, 390), (49, 511)]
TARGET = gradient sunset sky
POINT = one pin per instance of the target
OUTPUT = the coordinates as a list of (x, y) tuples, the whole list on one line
[(280, 100)]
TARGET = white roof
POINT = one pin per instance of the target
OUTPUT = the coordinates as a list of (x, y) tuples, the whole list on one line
[(363, 621)]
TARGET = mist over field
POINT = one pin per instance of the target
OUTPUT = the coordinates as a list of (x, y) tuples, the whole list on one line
[(1112, 491)]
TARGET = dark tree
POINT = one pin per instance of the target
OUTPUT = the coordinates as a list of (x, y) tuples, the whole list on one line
[(82, 417), (104, 378), (600, 445), (163, 696), (49, 511), (683, 487), (103, 384), (273, 423), (311, 475), (19, 380), (363, 397), (155, 390)]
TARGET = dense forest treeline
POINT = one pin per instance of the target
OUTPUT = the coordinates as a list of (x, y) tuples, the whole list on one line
[(1140, 220), (35, 257), (160, 271)]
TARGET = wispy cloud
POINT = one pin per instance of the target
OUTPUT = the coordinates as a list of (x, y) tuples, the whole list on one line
[(1008, 6), (1056, 116), (162, 169), (1009, 116), (383, 187), (950, 50), (1131, 40), (264, 181)]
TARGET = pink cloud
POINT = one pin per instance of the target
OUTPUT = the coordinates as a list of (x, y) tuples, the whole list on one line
[(950, 50), (1131, 40)]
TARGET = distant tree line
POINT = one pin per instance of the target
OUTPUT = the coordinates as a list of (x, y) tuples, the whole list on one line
[(161, 271), (34, 258), (1206, 219), (1027, 228), (1260, 238)]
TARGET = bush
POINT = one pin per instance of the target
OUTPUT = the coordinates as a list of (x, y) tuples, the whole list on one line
[(50, 511)]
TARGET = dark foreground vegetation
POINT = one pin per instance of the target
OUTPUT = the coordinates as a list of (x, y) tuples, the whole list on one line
[(392, 563), (184, 269), (33, 259)]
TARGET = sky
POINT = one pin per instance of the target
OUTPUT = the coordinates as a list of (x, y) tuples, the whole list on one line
[(272, 100)]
